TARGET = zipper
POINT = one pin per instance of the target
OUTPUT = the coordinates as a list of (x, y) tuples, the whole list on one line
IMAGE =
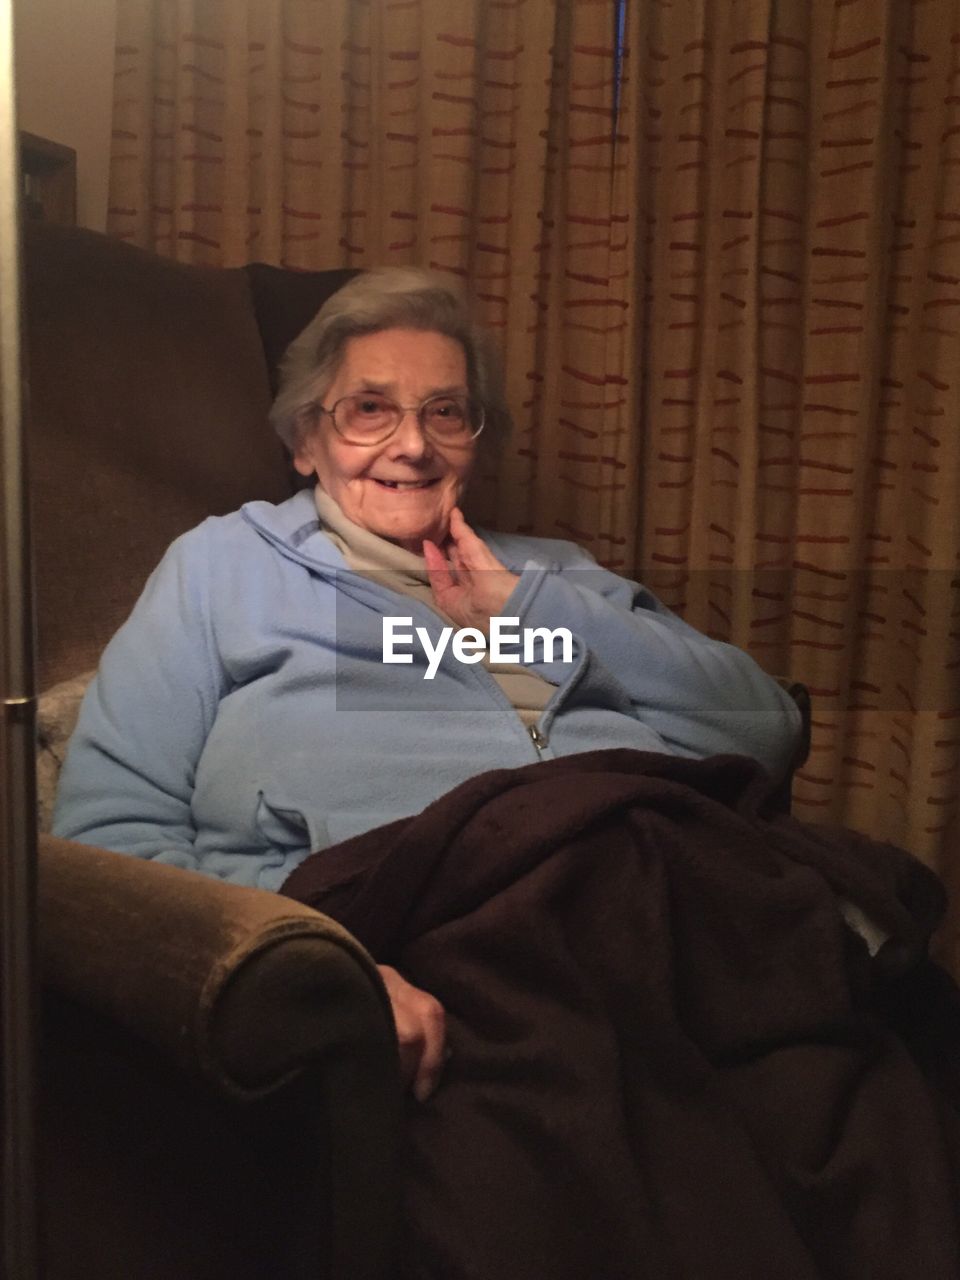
[(538, 739)]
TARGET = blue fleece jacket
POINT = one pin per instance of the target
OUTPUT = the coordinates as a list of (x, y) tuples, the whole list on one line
[(242, 717)]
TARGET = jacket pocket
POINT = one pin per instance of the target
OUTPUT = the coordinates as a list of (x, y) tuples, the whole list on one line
[(287, 829)]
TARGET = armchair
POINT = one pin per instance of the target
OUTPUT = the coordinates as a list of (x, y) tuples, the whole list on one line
[(219, 1084)]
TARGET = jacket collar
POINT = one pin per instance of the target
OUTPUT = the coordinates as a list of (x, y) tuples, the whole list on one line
[(293, 527)]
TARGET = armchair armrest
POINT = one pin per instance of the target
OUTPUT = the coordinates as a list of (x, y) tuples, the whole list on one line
[(237, 985), (248, 997)]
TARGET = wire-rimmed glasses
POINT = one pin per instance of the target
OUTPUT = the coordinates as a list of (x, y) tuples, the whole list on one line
[(369, 417)]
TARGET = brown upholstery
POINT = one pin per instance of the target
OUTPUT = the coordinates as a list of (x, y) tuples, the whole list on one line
[(149, 387), (219, 1086), (148, 393), (285, 302), (219, 1079)]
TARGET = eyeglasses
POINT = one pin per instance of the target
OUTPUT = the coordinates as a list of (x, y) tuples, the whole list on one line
[(367, 417)]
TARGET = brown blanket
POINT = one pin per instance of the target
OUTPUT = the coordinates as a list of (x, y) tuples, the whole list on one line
[(672, 1059)]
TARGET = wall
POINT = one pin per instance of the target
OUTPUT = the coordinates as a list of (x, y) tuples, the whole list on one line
[(64, 68)]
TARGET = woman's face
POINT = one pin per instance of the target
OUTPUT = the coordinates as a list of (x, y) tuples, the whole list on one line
[(405, 487)]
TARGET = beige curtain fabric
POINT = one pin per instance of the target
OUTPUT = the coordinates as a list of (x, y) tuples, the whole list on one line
[(727, 283), (799, 182)]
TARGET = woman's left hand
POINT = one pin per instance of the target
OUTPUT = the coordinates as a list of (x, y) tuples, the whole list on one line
[(421, 1032), (472, 586)]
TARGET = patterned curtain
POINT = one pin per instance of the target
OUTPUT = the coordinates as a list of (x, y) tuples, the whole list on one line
[(799, 187), (721, 242)]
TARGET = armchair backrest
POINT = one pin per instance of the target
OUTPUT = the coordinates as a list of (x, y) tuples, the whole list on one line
[(148, 395), (149, 384)]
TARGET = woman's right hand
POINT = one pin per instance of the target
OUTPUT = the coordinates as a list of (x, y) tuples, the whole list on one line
[(421, 1032), (472, 586)]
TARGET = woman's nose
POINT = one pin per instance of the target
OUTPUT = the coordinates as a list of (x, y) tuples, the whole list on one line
[(409, 439)]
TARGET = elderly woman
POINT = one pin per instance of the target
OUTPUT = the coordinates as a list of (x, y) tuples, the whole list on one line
[(244, 716)]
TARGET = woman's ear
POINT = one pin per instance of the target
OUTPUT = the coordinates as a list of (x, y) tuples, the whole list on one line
[(303, 462), (302, 452)]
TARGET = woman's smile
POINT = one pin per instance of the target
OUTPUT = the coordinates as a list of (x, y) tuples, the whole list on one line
[(404, 486)]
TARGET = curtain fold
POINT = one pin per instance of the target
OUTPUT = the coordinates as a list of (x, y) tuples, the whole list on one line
[(722, 256)]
